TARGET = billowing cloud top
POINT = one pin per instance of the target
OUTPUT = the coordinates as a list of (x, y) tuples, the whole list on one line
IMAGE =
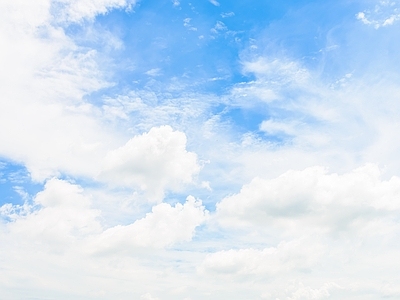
[(154, 161)]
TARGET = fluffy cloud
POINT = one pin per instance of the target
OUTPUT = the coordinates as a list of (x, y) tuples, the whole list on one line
[(153, 161), (314, 199), (286, 257), (60, 236), (147, 296), (45, 78), (61, 214), (76, 11), (315, 224), (162, 227)]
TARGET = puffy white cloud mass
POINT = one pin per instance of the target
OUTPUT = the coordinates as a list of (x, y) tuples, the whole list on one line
[(162, 227), (60, 236), (314, 198), (61, 214), (153, 161), (45, 124), (317, 224), (287, 256)]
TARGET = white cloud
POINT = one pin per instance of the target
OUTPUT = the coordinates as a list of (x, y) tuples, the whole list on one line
[(286, 257), (310, 225), (60, 236), (361, 16), (297, 290), (306, 292), (186, 23), (63, 215), (77, 10), (317, 200), (218, 27), (214, 2), (164, 226), (228, 14), (274, 79), (273, 127), (255, 90), (44, 122), (154, 72), (155, 161), (342, 120), (148, 296), (385, 13), (277, 69)]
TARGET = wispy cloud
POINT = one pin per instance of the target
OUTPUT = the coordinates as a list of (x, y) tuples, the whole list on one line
[(384, 14), (214, 2), (228, 14)]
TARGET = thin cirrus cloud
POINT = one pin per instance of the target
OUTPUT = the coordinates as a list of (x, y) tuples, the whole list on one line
[(208, 150)]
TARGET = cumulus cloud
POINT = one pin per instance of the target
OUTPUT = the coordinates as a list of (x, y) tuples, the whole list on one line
[(286, 257), (60, 230), (162, 227), (315, 223), (60, 214), (45, 79), (148, 296), (317, 200), (307, 292), (155, 161)]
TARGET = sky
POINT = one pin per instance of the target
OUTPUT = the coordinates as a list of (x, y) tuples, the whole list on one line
[(206, 149)]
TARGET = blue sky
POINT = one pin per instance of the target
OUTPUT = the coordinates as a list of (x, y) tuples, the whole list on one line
[(199, 149)]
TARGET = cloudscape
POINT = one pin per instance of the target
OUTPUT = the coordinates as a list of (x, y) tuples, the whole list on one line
[(205, 149)]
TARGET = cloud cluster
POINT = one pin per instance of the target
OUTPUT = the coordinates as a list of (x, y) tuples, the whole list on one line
[(60, 216), (154, 161), (163, 227), (316, 200), (385, 13), (319, 223), (46, 78)]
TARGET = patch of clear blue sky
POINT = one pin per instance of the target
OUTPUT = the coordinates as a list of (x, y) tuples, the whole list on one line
[(197, 41), (202, 45), (14, 181)]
